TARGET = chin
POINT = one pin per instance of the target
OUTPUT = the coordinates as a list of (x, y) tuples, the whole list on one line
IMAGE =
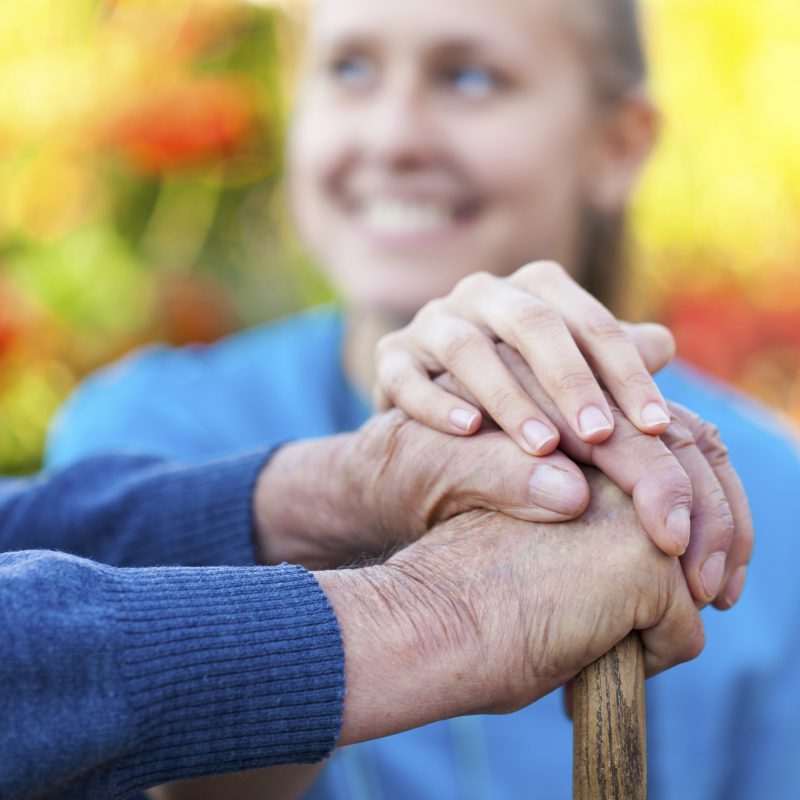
[(396, 289), (395, 305)]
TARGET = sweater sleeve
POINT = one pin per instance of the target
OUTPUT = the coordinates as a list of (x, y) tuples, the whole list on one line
[(128, 510), (119, 679)]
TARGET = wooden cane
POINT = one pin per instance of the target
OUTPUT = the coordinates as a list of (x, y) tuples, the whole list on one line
[(609, 739)]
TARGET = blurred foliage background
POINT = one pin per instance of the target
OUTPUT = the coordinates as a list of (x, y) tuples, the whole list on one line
[(140, 165)]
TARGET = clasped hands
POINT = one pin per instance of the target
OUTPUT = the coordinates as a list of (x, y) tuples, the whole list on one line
[(495, 576), (544, 501)]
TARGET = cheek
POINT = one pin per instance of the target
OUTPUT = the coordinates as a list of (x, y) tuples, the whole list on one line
[(317, 149), (526, 159), (532, 174)]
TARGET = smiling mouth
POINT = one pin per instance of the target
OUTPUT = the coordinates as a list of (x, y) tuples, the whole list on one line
[(410, 220)]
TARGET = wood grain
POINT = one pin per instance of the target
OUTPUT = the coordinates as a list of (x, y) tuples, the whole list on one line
[(610, 739)]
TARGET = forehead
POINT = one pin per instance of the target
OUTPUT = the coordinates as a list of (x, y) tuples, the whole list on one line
[(518, 27)]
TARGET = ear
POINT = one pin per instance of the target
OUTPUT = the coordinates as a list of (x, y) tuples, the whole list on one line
[(625, 139)]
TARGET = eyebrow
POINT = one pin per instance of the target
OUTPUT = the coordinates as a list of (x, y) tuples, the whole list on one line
[(455, 46), (346, 41), (461, 46)]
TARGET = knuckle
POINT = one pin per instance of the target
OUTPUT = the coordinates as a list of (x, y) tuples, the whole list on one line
[(476, 283), (707, 432), (460, 345), (504, 403), (678, 436), (431, 311), (537, 273), (682, 413), (532, 317), (678, 494), (575, 381), (547, 269), (722, 516), (710, 442), (635, 380), (670, 479), (603, 325)]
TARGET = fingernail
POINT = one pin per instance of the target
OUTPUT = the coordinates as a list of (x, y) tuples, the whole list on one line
[(712, 572), (592, 420), (537, 434), (679, 528), (557, 489), (463, 419), (653, 415), (736, 586)]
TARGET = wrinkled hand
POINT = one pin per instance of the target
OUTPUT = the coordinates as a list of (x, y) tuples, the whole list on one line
[(720, 511), (491, 613), (326, 502), (686, 492)]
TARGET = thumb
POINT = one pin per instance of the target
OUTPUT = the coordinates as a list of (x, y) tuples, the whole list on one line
[(490, 471)]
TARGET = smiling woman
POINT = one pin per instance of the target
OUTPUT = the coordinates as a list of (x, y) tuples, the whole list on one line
[(449, 145)]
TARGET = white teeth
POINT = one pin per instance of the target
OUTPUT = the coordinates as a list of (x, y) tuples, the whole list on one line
[(406, 217)]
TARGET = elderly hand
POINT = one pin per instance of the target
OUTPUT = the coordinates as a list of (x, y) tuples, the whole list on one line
[(327, 502), (686, 492), (488, 614)]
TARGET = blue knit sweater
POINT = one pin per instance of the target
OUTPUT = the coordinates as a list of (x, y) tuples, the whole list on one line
[(117, 678)]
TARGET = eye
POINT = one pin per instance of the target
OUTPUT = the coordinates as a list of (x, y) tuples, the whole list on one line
[(353, 72), (472, 80)]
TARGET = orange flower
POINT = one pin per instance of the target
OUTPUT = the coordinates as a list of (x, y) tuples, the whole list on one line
[(186, 124)]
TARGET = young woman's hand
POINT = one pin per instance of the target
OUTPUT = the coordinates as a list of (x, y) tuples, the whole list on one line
[(571, 342)]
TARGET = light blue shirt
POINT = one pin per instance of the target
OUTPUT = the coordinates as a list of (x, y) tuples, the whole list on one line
[(724, 727)]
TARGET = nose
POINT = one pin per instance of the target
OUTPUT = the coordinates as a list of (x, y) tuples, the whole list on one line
[(400, 130)]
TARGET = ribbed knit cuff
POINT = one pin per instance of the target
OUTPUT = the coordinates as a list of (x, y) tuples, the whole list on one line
[(226, 669), (204, 513)]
